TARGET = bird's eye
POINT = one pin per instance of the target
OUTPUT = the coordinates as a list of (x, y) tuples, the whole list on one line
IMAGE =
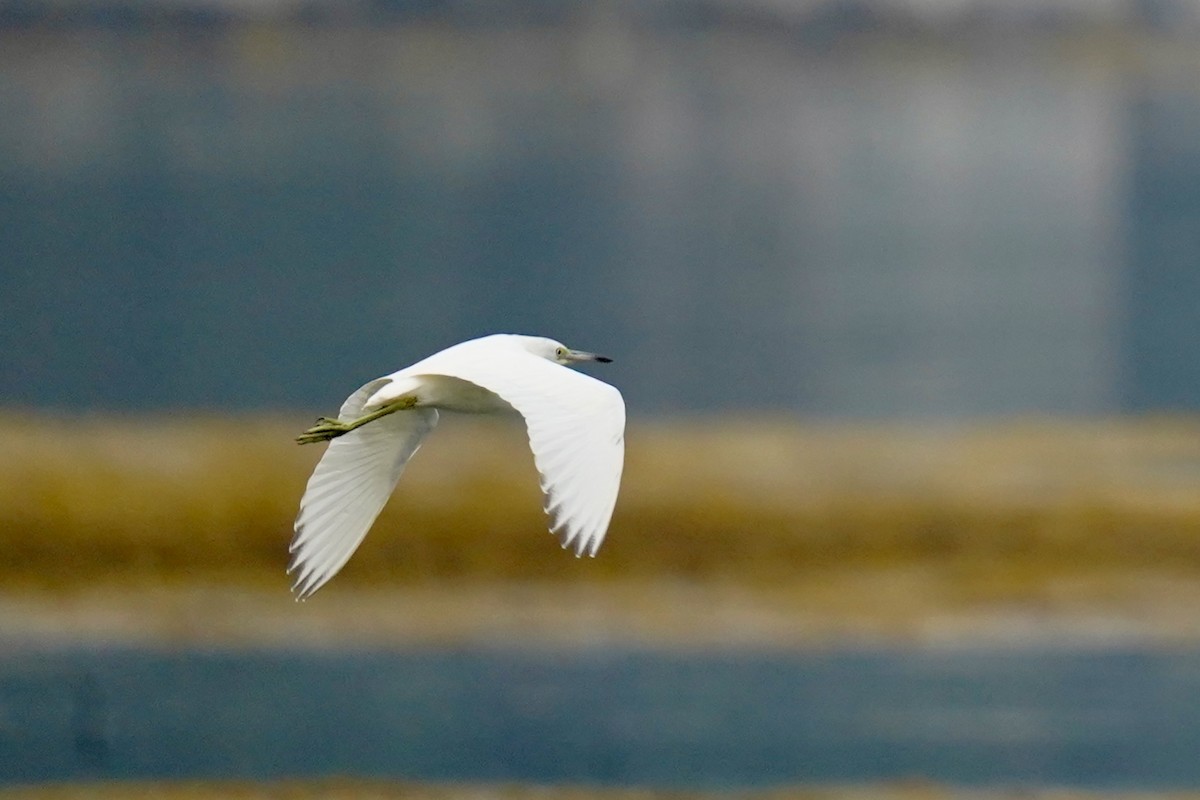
[(560, 352)]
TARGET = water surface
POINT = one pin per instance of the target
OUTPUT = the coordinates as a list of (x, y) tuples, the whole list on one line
[(248, 216), (1100, 719)]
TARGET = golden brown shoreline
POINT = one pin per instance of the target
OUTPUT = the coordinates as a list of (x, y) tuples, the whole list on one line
[(760, 531), (855, 607)]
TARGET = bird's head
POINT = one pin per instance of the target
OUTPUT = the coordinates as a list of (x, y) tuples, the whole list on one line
[(558, 352)]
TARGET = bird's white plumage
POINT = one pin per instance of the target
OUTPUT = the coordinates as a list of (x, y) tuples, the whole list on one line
[(348, 489), (576, 432)]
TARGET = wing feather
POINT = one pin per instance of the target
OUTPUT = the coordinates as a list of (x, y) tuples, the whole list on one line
[(349, 488), (576, 428)]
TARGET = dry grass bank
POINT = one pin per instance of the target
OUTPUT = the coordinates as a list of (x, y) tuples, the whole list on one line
[(167, 499)]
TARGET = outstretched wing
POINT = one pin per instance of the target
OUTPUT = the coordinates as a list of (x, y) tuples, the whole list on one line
[(349, 488), (576, 427)]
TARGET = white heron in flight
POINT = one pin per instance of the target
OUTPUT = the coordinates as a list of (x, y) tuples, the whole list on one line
[(576, 427)]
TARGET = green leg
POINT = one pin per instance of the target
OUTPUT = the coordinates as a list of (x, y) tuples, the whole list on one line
[(327, 428)]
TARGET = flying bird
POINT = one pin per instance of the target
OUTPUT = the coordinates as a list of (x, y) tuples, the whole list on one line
[(576, 427)]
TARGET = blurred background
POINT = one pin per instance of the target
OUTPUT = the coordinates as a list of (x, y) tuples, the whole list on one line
[(880, 208), (902, 296)]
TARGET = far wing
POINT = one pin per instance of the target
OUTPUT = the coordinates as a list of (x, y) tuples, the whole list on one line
[(576, 427), (348, 489)]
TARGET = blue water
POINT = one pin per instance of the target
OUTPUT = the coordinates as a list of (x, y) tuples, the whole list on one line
[(1101, 719), (240, 216)]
